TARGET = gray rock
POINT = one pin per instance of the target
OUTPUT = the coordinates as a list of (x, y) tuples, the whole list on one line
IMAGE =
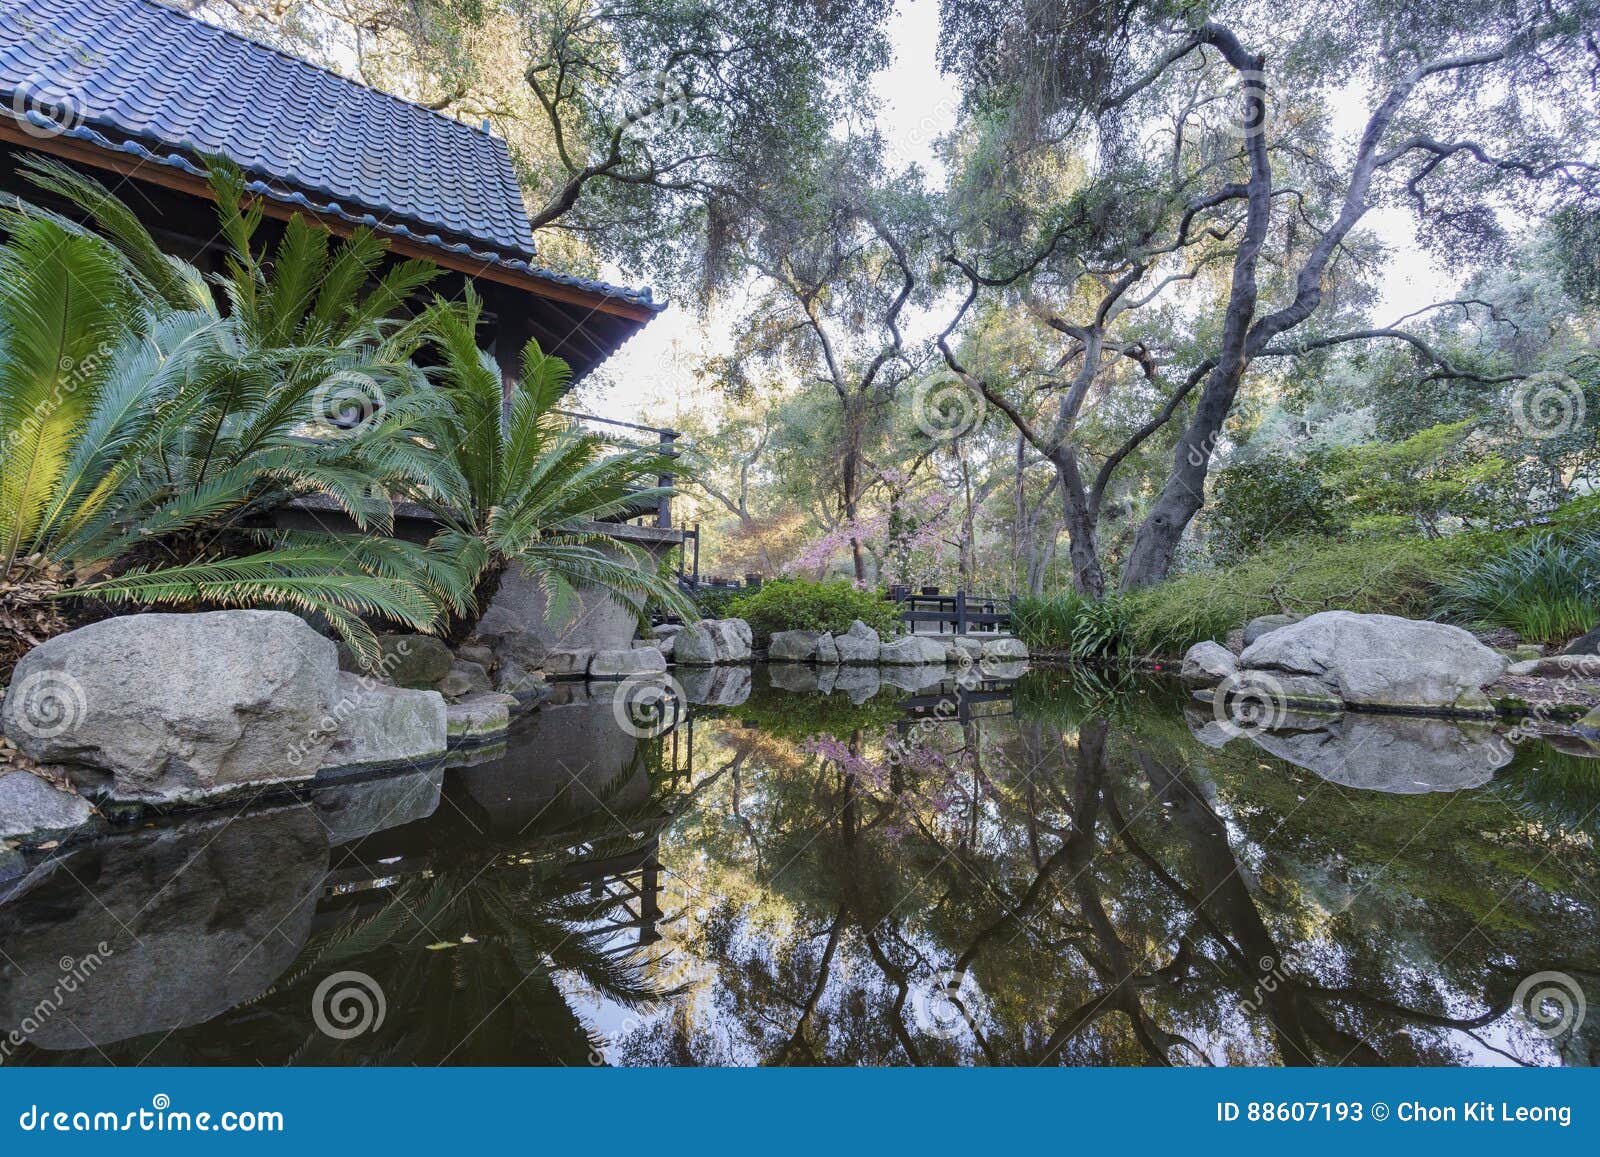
[(477, 653), (1207, 663), (525, 648), (1589, 725), (859, 645), (857, 683), (1378, 660), (511, 679), (1585, 644), (801, 678), (667, 645), (913, 650), (717, 686), (377, 725), (1405, 756), (827, 652), (1265, 624), (183, 923), (567, 664), (34, 810), (1006, 650), (913, 679), (621, 664), (1002, 669), (713, 641), (964, 649), (794, 646), (417, 661), (357, 809), (178, 707), (465, 679), (479, 717), (666, 630), (1577, 666)]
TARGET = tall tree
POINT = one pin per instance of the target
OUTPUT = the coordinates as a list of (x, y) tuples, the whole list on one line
[(1474, 108)]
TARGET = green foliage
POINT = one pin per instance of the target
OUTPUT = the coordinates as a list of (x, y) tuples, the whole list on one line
[(715, 602), (523, 484), (1437, 473), (1270, 499), (144, 424), (1547, 588), (1372, 576), (792, 605), (1072, 624), (800, 717)]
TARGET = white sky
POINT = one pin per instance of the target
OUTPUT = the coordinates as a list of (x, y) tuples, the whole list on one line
[(648, 380)]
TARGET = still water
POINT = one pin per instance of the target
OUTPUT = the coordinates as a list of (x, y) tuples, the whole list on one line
[(1065, 868)]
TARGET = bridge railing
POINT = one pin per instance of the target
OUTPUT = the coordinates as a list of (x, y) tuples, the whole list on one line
[(662, 437), (961, 610)]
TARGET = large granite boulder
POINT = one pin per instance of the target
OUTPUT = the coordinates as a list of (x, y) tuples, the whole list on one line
[(913, 650), (796, 646), (465, 678), (568, 664), (859, 645), (354, 809), (620, 664), (178, 707), (716, 686), (1265, 625), (161, 929), (1588, 644), (30, 808), (479, 718), (1381, 660), (1562, 666), (713, 641), (416, 661), (381, 726), (1404, 756), (1207, 663), (1006, 650)]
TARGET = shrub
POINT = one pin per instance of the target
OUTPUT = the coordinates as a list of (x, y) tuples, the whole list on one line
[(789, 605), (713, 602), (1072, 624), (1369, 576), (1274, 498), (1547, 588)]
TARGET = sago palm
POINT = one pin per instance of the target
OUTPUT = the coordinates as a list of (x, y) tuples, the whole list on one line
[(519, 483), (142, 424)]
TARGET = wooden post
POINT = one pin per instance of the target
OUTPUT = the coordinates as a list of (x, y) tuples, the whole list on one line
[(664, 507), (961, 611)]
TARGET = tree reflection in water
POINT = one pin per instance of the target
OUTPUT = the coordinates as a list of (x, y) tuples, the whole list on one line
[(1063, 875)]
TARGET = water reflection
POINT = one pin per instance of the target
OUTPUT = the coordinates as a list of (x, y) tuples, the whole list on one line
[(1059, 870)]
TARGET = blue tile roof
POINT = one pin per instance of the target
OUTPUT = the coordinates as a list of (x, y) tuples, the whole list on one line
[(142, 79)]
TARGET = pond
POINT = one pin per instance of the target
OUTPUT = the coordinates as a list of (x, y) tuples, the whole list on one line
[(1065, 868)]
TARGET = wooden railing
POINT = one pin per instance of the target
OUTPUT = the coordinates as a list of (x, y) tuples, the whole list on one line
[(665, 439), (963, 611)]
